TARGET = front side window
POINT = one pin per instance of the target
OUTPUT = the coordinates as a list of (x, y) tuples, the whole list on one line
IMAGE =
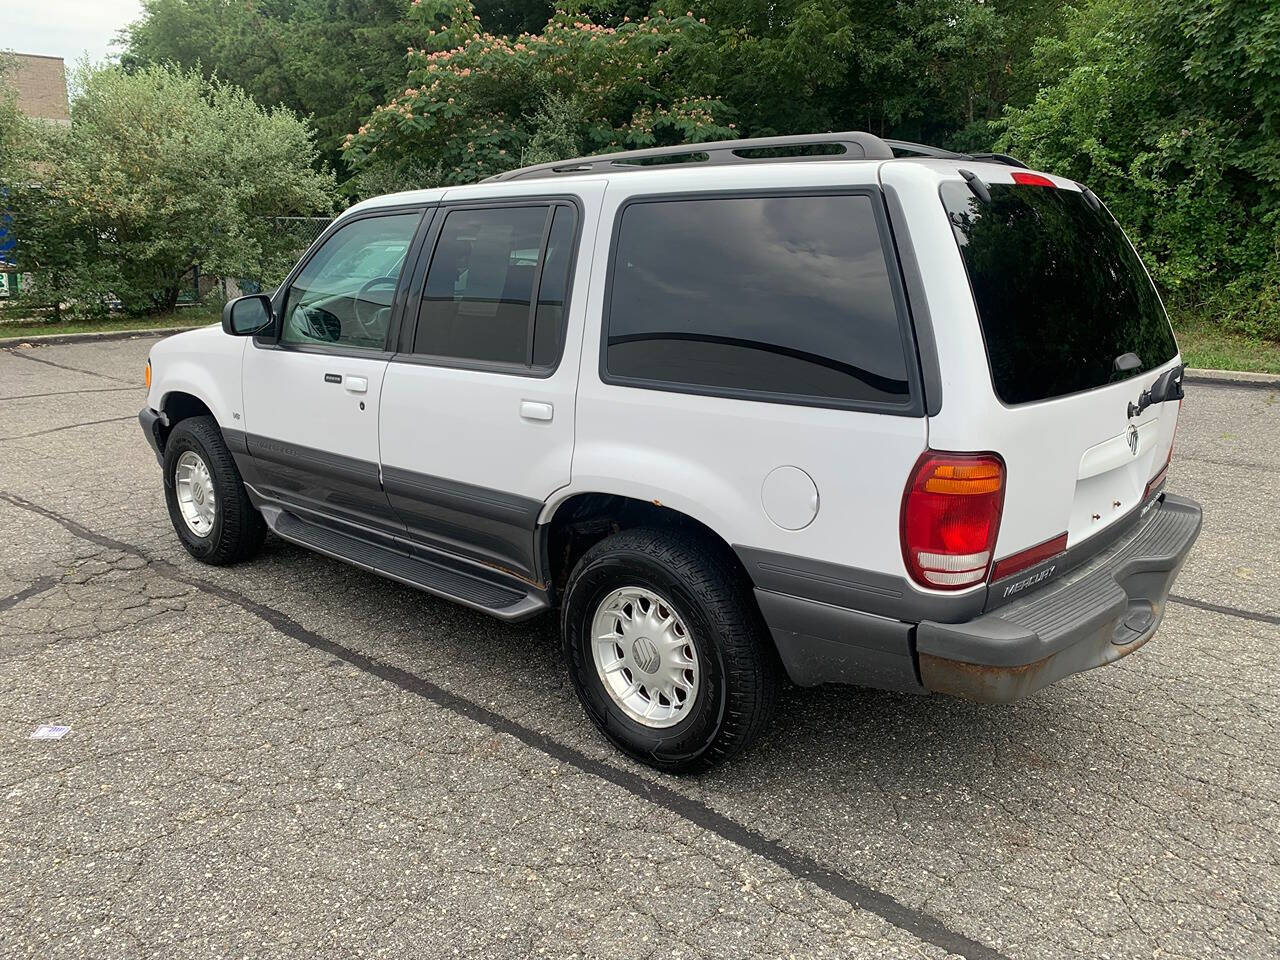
[(496, 287), (754, 296), (343, 295)]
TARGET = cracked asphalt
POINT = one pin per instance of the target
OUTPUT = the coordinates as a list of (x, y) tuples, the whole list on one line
[(294, 758)]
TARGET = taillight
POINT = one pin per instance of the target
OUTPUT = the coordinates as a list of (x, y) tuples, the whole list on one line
[(1154, 483), (1029, 557), (1032, 179), (950, 517)]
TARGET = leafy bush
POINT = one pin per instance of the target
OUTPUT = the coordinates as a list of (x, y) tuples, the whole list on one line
[(476, 104), (1170, 110), (159, 170)]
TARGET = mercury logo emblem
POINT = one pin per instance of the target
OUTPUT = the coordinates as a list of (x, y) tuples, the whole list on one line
[(646, 655), (1133, 439)]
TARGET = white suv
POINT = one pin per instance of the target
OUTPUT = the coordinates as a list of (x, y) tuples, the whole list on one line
[(867, 413)]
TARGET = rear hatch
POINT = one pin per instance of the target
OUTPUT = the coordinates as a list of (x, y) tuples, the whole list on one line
[(1074, 332)]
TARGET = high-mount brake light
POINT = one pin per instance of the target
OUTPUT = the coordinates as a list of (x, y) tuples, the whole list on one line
[(1032, 179), (1029, 557), (950, 518)]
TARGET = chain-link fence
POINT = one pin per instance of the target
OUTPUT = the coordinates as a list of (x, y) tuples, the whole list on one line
[(300, 232)]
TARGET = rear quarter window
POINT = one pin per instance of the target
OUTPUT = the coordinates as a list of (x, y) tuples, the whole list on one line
[(1059, 291), (785, 298)]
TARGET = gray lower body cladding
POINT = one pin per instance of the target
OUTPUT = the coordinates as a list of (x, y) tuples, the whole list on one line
[(152, 423), (1103, 610)]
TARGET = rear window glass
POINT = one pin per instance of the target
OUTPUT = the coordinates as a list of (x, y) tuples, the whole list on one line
[(760, 297), (1059, 291)]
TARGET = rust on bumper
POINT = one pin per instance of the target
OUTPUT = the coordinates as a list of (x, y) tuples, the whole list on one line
[(986, 683), (1100, 612)]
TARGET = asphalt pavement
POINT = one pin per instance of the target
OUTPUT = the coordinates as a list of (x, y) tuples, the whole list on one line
[(294, 758)]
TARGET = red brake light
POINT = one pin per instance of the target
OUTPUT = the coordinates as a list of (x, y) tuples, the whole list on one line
[(1032, 180), (1029, 557), (950, 517)]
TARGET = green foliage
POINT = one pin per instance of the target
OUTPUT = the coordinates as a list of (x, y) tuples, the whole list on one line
[(1170, 110), (11, 125), (476, 103), (332, 60), (160, 170), (1167, 108)]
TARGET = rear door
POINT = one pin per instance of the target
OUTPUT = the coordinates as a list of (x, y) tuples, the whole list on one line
[(1073, 331), (477, 421)]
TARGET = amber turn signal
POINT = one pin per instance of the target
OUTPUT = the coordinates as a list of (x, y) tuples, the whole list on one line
[(147, 375)]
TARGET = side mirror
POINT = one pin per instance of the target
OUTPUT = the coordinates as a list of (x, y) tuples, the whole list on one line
[(247, 316)]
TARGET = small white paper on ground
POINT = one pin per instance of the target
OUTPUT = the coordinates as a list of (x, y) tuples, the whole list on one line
[(50, 732)]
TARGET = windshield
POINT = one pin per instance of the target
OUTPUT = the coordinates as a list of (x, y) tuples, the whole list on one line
[(1059, 291)]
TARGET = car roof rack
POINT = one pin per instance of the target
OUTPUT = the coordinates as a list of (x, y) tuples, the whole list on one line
[(900, 147), (857, 146)]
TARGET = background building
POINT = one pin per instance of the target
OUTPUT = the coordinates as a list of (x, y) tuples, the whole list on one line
[(41, 84)]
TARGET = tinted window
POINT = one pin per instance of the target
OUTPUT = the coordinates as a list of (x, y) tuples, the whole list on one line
[(478, 303), (1059, 291), (780, 295), (343, 295), (553, 290)]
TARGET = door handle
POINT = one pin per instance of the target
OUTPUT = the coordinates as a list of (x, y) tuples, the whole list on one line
[(532, 410), (356, 384)]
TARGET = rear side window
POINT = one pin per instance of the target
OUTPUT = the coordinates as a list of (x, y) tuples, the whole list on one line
[(1060, 293), (496, 287), (775, 298)]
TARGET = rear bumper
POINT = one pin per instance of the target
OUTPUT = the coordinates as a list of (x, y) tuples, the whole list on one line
[(1101, 611)]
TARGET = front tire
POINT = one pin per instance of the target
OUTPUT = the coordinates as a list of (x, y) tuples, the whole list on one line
[(667, 650), (208, 505)]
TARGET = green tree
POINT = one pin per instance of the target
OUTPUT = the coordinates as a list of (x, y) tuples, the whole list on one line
[(160, 170), (331, 60), (476, 103), (10, 124), (1170, 110)]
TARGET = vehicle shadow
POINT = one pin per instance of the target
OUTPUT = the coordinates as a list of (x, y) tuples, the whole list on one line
[(851, 733)]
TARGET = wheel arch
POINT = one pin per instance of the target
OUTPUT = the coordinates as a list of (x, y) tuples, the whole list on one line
[(573, 524)]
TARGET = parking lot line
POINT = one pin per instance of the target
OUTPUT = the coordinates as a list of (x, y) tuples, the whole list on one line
[(39, 586), (801, 866), (26, 355), (1226, 611)]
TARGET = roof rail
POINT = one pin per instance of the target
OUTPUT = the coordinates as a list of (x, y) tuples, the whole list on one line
[(1004, 158), (857, 146), (924, 150)]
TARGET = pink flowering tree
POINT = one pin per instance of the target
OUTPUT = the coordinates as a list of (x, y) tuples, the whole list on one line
[(475, 104)]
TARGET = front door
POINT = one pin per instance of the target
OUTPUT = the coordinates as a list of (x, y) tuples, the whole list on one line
[(477, 419), (311, 397)]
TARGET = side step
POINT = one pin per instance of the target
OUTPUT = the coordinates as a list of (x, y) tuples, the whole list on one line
[(458, 580)]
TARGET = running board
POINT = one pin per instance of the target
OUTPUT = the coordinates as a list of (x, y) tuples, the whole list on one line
[(457, 580)]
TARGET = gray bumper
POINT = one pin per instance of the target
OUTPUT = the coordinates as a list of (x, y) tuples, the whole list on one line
[(1100, 612), (152, 423)]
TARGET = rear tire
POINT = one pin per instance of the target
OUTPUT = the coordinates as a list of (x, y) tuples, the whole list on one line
[(208, 505), (618, 599)]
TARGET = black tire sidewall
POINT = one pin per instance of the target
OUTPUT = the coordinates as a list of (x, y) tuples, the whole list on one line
[(681, 744), (180, 441)]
